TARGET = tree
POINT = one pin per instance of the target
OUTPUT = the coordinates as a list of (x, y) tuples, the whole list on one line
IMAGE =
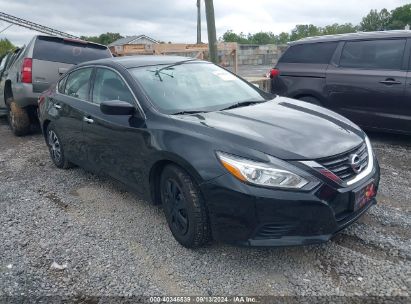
[(5, 46), (304, 30), (105, 39), (230, 36), (376, 21), (282, 38), (400, 17), (262, 38), (339, 29)]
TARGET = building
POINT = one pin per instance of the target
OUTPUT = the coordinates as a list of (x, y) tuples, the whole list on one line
[(127, 44)]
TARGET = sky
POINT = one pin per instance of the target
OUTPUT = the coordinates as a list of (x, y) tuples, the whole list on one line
[(175, 20)]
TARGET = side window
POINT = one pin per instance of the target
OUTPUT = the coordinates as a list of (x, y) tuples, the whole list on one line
[(108, 85), (78, 83), (3, 62), (373, 54), (309, 53)]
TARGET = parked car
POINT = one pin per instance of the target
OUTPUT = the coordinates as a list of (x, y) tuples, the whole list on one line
[(226, 160), (363, 76), (34, 69)]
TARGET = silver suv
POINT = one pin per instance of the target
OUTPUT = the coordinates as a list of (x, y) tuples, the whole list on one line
[(35, 68)]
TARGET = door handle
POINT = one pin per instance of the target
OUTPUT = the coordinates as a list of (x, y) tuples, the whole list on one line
[(88, 120), (390, 81), (57, 106)]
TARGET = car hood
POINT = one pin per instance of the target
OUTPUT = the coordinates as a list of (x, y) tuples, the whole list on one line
[(284, 128)]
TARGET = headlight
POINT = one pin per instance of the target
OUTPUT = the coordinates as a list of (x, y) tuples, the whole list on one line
[(262, 174)]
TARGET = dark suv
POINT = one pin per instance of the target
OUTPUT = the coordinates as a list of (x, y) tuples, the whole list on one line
[(363, 76), (31, 70)]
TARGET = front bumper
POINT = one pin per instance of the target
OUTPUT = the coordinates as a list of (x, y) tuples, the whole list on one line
[(253, 216)]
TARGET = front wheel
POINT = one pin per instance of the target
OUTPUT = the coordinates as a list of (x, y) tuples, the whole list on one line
[(56, 148), (184, 208)]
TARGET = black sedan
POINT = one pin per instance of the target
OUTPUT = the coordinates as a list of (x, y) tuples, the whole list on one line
[(226, 160)]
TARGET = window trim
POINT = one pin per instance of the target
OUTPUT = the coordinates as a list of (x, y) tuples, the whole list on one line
[(402, 68), (63, 79), (136, 102)]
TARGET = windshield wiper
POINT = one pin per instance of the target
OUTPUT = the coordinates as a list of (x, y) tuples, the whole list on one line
[(243, 104), (188, 112), (159, 72)]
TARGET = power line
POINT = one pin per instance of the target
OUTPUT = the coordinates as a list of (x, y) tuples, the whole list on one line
[(10, 25)]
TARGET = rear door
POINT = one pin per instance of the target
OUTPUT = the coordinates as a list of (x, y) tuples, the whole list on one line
[(302, 70), (367, 84), (5, 71), (53, 56), (68, 108), (2, 79)]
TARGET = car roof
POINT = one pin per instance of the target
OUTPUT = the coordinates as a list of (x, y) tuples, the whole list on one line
[(140, 60), (355, 36)]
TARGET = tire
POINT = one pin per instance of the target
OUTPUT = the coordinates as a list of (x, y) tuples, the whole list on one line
[(56, 148), (184, 208), (310, 99), (18, 119)]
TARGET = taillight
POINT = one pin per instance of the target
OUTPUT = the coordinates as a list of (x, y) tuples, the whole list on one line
[(274, 73), (26, 74)]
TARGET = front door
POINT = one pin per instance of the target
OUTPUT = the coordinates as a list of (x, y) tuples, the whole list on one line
[(368, 83), (116, 144)]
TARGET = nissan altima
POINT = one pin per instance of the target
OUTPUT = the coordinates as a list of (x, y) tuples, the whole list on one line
[(227, 161)]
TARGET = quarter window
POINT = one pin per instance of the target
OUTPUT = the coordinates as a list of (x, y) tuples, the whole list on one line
[(309, 53), (108, 85), (61, 84), (78, 84), (373, 54)]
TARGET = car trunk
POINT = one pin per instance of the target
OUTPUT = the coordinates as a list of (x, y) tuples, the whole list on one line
[(45, 73)]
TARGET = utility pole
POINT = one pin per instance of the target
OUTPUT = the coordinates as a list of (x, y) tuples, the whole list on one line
[(212, 37), (198, 21)]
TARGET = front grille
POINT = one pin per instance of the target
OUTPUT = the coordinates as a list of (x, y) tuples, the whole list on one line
[(340, 164)]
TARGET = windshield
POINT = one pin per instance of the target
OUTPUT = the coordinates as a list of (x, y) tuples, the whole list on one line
[(194, 86)]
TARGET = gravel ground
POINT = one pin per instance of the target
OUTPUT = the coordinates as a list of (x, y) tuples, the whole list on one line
[(112, 243)]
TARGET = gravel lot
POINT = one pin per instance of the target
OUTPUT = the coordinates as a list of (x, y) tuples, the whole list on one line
[(113, 243)]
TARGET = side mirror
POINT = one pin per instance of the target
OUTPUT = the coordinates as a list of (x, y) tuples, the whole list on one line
[(117, 107)]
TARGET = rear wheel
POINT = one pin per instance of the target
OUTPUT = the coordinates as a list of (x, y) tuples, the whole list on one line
[(184, 208), (18, 118), (56, 148), (310, 99)]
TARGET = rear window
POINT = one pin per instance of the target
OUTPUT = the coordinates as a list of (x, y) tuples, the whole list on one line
[(309, 53), (66, 51)]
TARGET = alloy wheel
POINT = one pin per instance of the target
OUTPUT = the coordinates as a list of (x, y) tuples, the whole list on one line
[(54, 144)]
